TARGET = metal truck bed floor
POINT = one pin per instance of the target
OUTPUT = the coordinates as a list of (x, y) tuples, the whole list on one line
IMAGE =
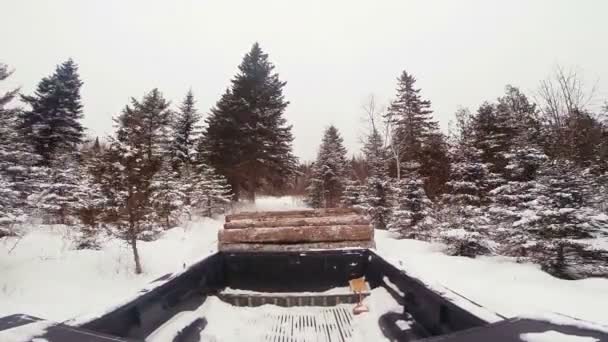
[(271, 323), (316, 324), (268, 323)]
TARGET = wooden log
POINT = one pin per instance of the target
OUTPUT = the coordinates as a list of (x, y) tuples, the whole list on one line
[(292, 213), (297, 234), (298, 247), (269, 222)]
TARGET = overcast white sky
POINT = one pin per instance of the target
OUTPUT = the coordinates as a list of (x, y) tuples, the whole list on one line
[(333, 54)]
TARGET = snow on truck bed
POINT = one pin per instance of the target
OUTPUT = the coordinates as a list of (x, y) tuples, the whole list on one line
[(269, 323), (45, 277)]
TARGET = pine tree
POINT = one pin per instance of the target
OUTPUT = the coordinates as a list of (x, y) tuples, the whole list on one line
[(411, 116), (329, 171), (247, 138), (9, 95), (464, 226), (435, 164), (353, 194), (490, 139), (508, 202), (418, 134), (185, 133), (57, 198), (520, 157), (89, 205), (18, 174), (9, 214), (376, 198), (558, 218), (167, 196), (411, 206), (53, 122), (210, 192), (9, 197)]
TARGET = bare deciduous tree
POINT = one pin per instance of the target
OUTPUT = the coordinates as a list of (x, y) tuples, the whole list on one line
[(377, 118), (562, 94)]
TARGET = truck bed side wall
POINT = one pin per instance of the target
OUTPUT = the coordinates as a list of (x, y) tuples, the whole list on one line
[(144, 314), (437, 314)]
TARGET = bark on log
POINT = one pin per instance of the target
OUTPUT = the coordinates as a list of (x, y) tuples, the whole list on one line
[(293, 213), (297, 234), (299, 247), (269, 222)]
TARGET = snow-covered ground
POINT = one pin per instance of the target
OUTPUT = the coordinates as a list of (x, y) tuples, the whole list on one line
[(498, 283), (44, 276)]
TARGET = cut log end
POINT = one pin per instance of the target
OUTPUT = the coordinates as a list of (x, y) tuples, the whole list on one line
[(298, 230)]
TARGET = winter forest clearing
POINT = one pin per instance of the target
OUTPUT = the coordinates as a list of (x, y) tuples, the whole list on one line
[(506, 206), (47, 277)]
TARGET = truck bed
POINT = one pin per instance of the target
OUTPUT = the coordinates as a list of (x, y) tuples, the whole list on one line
[(188, 306), (224, 321)]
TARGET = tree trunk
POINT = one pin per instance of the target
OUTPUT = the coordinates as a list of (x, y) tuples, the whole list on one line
[(297, 234), (136, 255), (253, 181), (236, 190), (133, 243)]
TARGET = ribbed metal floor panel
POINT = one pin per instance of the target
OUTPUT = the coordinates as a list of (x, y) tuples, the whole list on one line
[(297, 324), (326, 324)]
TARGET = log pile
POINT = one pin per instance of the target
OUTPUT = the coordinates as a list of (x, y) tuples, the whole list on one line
[(299, 230)]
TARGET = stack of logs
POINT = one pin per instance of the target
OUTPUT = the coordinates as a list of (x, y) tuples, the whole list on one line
[(300, 230)]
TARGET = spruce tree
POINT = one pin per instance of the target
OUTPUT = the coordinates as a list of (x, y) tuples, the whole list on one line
[(19, 175), (9, 214), (418, 135), (411, 117), (411, 206), (522, 159), (9, 95), (329, 171), (353, 194), (210, 192), (167, 197), (53, 122), (464, 226), (57, 198), (90, 203), (558, 220), (491, 140), (9, 196), (376, 198), (247, 138), (185, 133)]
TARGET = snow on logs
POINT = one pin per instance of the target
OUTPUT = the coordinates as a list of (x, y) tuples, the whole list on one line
[(260, 215), (296, 231), (270, 222)]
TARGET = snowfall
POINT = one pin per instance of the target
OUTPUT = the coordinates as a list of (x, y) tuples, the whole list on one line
[(41, 274)]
